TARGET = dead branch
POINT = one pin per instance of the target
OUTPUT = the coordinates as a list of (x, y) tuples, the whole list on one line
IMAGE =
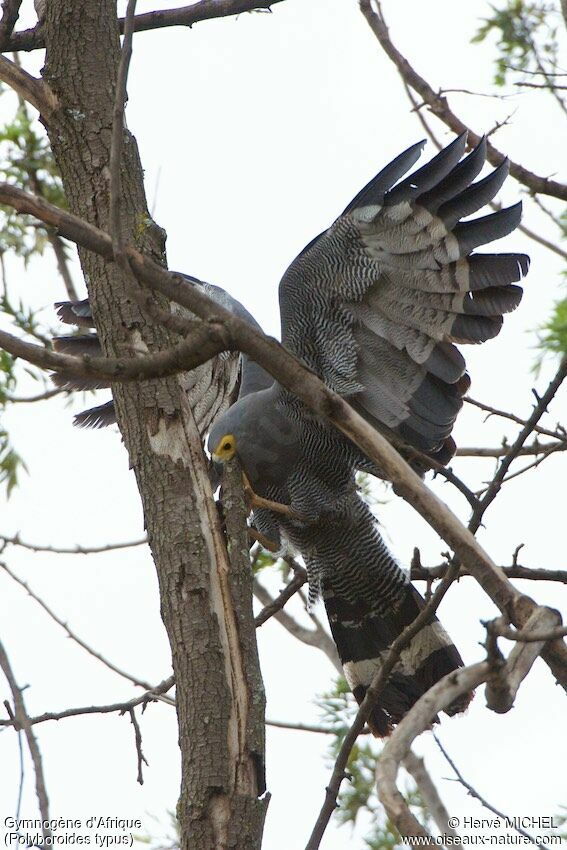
[(398, 745), (135, 681), (77, 549), (420, 573), (440, 107), (21, 720), (153, 695), (138, 740), (506, 677), (186, 16), (415, 766)]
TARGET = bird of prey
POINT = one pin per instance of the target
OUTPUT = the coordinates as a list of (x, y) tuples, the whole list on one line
[(374, 305)]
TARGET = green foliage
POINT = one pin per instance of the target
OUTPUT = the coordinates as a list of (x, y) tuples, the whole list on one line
[(553, 334), (26, 161), (10, 462), (526, 36), (358, 793)]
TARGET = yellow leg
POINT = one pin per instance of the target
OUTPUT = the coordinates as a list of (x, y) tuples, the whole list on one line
[(264, 542), (256, 501)]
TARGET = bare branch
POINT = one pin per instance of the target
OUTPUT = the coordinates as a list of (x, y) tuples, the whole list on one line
[(135, 681), (153, 695), (398, 745), (536, 448), (10, 13), (419, 573), (516, 447), (304, 727), (206, 341), (558, 434), (77, 549), (506, 677), (415, 766), (185, 16), (33, 398), (138, 739), (30, 88), (474, 793), (440, 107), (21, 720), (274, 605)]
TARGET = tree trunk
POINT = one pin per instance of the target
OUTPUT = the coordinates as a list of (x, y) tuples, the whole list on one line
[(219, 695)]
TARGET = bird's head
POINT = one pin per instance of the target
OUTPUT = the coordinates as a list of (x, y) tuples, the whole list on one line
[(225, 448), (226, 437)]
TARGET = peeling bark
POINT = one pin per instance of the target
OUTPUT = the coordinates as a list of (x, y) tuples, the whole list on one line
[(212, 640)]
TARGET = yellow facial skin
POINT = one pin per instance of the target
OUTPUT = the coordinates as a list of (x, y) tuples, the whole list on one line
[(225, 449)]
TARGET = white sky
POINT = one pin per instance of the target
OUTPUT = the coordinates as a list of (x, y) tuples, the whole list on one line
[(254, 134)]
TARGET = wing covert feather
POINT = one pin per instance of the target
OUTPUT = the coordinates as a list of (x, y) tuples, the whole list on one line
[(375, 304)]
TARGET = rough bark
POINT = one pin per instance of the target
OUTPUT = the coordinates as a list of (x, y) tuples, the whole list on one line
[(217, 795)]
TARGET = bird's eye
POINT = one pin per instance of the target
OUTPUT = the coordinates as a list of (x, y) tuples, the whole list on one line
[(227, 446)]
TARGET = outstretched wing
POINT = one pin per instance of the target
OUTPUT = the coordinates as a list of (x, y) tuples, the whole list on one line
[(377, 302), (211, 387)]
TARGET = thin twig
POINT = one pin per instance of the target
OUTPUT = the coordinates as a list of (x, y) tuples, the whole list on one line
[(138, 739), (278, 603), (135, 681), (33, 398), (21, 720), (440, 107), (558, 434), (515, 448), (186, 16), (153, 695), (474, 793), (77, 549)]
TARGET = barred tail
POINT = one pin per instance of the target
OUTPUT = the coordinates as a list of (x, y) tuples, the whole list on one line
[(369, 602)]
